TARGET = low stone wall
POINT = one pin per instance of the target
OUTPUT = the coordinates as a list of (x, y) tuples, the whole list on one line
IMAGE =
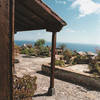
[(80, 79)]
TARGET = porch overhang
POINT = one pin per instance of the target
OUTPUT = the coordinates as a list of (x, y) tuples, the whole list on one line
[(35, 15)]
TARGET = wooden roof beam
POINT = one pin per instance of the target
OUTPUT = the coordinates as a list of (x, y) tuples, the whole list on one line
[(29, 28), (50, 12)]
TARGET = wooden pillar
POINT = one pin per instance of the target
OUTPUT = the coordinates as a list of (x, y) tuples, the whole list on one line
[(6, 37), (51, 90)]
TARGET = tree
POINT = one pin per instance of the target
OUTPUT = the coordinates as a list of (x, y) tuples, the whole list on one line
[(62, 46), (67, 55), (39, 43)]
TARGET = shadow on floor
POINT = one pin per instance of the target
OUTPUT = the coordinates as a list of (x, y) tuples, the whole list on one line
[(40, 95), (26, 56), (72, 81), (30, 98)]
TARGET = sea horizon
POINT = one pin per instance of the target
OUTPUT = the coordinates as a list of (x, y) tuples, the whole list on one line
[(72, 46)]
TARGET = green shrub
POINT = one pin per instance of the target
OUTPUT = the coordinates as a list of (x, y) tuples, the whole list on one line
[(60, 63), (43, 51), (98, 67), (24, 87), (67, 55), (16, 48), (31, 51), (39, 43), (94, 67), (24, 51), (79, 59), (28, 51), (75, 60), (62, 46), (98, 56)]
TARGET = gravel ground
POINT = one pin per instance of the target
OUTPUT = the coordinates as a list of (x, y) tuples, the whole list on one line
[(64, 90)]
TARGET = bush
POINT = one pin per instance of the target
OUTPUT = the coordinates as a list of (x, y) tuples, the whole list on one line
[(43, 51), (31, 51), (94, 67), (16, 48), (80, 60), (67, 55), (98, 56), (39, 43), (24, 51), (60, 63), (28, 51), (24, 87), (62, 46), (98, 67)]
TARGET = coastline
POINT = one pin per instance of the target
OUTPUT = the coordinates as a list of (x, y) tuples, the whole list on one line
[(72, 46)]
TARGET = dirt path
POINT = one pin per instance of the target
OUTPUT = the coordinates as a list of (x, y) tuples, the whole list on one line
[(64, 90)]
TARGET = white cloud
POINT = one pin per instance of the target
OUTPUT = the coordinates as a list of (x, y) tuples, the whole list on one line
[(86, 7), (60, 1), (70, 30)]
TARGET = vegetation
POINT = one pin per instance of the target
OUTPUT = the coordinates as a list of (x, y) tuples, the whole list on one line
[(40, 43), (94, 64), (67, 55), (44, 51), (62, 46), (16, 48), (24, 87), (79, 59), (60, 63), (98, 55), (28, 51), (94, 67), (38, 50)]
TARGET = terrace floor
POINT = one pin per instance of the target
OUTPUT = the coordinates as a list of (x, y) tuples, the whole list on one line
[(64, 90)]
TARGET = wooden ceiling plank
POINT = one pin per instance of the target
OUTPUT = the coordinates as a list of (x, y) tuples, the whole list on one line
[(23, 19), (28, 13), (29, 8), (21, 15), (24, 27)]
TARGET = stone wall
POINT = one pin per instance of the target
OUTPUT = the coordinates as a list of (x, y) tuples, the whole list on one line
[(83, 80)]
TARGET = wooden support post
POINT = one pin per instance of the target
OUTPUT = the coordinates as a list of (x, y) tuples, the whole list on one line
[(11, 44), (6, 37), (13, 32), (51, 90)]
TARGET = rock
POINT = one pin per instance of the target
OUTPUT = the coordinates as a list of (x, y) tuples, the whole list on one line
[(90, 96), (16, 61), (82, 53)]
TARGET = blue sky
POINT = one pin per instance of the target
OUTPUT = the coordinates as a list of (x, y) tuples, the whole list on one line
[(82, 16)]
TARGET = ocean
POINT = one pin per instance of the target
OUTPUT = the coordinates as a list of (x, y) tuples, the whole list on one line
[(72, 46)]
